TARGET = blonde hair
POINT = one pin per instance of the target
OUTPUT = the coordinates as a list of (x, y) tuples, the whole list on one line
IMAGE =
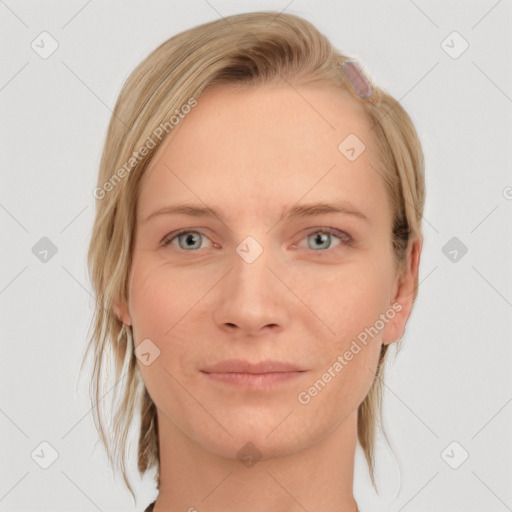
[(242, 50)]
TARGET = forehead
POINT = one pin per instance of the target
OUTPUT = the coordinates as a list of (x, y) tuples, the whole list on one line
[(259, 150)]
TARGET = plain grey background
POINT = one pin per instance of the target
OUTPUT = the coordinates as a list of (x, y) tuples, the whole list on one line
[(448, 393)]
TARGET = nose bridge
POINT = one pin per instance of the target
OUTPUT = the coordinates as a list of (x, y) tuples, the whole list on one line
[(253, 259), (252, 297), (251, 276)]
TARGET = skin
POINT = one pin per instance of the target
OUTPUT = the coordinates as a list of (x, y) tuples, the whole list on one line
[(251, 154)]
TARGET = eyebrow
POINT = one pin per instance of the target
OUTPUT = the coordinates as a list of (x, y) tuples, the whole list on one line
[(297, 211)]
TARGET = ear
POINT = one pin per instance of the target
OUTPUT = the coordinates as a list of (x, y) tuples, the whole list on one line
[(402, 295), (122, 313)]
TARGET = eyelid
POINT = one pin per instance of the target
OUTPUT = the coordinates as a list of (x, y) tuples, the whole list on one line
[(345, 238), (167, 239)]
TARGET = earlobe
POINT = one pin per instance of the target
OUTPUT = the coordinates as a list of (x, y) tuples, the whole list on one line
[(122, 313), (403, 298)]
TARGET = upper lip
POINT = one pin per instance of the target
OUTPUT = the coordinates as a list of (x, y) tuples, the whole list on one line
[(241, 366)]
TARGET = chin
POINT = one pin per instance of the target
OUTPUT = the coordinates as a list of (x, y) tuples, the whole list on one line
[(250, 448), (256, 438)]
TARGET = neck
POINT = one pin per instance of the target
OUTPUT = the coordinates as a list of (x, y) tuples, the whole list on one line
[(319, 477)]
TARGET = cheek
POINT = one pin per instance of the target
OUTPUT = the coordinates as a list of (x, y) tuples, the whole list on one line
[(350, 299), (159, 298), (147, 298), (351, 303), (159, 302), (163, 302)]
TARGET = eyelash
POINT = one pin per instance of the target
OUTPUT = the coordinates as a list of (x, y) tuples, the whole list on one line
[(345, 238)]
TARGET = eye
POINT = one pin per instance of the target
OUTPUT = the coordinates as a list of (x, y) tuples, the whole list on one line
[(321, 238), (187, 239)]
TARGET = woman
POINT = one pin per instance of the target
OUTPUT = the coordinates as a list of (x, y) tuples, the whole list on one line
[(255, 251)]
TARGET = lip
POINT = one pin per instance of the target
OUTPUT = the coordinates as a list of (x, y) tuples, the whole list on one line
[(241, 366), (260, 376)]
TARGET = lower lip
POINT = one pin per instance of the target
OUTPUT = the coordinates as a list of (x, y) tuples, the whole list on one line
[(257, 381)]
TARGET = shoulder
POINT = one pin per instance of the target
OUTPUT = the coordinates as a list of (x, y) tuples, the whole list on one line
[(150, 507)]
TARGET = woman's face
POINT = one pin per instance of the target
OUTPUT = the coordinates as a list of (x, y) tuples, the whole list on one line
[(263, 278)]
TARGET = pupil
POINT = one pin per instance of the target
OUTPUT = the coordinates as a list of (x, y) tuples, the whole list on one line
[(320, 238)]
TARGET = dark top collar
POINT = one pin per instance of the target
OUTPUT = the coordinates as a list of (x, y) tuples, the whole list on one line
[(150, 507)]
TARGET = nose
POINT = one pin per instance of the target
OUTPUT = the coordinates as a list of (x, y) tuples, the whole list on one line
[(252, 300)]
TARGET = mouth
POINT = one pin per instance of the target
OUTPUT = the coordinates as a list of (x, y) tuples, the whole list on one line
[(264, 375)]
